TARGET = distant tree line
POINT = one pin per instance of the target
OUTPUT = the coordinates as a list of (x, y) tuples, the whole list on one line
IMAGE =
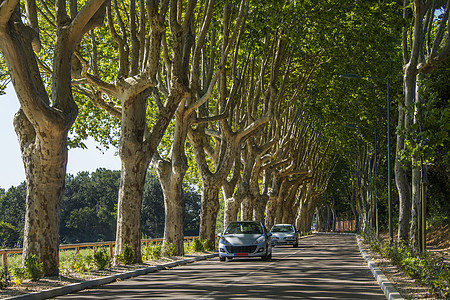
[(89, 209)]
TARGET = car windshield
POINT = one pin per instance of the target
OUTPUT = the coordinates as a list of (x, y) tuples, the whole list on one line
[(243, 227), (284, 228)]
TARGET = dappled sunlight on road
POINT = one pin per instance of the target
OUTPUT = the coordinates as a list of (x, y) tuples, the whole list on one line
[(323, 267)]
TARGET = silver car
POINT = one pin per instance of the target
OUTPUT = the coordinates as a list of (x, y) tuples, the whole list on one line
[(284, 234), (245, 239)]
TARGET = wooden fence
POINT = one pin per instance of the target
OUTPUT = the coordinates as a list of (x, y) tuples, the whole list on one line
[(344, 224), (95, 246)]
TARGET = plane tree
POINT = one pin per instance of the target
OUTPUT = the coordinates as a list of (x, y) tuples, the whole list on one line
[(425, 46), (133, 40), (47, 109), (246, 102), (201, 72), (261, 84)]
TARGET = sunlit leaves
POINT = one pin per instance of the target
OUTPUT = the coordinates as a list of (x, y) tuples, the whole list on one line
[(96, 123)]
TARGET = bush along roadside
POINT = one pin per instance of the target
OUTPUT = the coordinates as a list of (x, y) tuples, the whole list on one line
[(85, 261), (5, 278), (426, 268), (33, 269)]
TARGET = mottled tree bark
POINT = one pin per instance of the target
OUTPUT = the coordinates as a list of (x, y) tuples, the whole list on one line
[(209, 210), (135, 162), (45, 159), (171, 177)]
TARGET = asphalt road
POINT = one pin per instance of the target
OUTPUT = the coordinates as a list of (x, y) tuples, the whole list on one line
[(323, 267)]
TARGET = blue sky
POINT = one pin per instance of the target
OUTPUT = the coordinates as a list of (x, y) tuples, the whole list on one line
[(11, 167)]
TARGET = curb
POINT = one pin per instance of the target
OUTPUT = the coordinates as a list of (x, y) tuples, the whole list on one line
[(75, 287), (388, 288)]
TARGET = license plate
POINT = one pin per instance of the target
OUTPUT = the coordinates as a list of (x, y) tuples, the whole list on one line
[(241, 254)]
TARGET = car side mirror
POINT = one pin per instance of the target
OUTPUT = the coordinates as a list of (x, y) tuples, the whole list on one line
[(219, 234)]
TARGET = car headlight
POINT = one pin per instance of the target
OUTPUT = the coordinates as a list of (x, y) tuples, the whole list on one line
[(224, 240), (260, 240)]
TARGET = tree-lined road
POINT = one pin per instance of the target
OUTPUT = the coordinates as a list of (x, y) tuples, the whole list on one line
[(323, 267)]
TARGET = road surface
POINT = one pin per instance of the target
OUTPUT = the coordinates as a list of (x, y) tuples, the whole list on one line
[(323, 267)]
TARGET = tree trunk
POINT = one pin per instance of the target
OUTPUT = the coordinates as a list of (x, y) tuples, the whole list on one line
[(260, 207), (305, 218), (135, 162), (271, 209), (263, 197), (231, 207), (209, 210), (333, 217), (231, 211), (171, 174), (45, 160), (355, 213), (414, 229), (174, 210), (416, 176), (130, 205), (402, 182), (247, 205)]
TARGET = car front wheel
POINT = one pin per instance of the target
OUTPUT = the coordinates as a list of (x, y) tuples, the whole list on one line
[(222, 258)]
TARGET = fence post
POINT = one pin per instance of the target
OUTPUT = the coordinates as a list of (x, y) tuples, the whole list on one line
[(5, 259)]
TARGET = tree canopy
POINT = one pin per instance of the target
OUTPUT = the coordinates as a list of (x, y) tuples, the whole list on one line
[(246, 98)]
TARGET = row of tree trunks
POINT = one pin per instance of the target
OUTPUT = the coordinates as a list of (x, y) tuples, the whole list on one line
[(172, 169), (423, 50)]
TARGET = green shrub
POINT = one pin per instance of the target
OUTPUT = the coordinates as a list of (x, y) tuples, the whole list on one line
[(126, 257), (426, 268), (208, 245), (197, 246), (34, 268), (101, 259), (441, 283), (5, 278), (152, 252), (79, 263), (169, 250), (19, 274)]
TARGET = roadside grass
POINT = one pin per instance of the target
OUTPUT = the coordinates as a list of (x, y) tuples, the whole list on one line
[(87, 262)]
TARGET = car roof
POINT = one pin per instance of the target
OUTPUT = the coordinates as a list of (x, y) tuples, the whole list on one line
[(256, 222)]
